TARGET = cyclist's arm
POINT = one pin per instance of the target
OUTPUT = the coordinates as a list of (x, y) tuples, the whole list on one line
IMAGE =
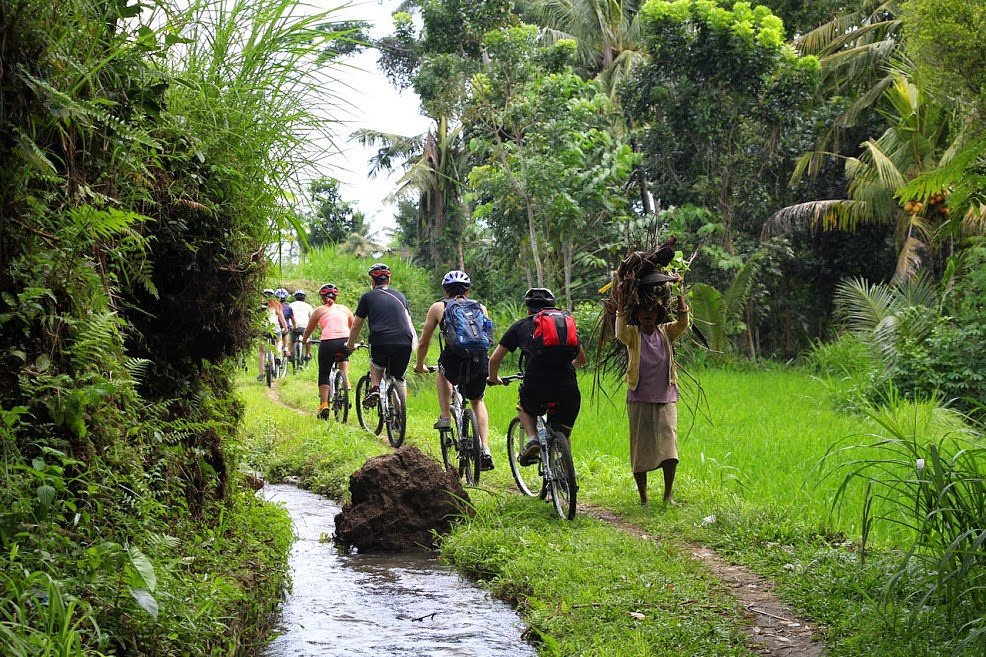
[(312, 323), (498, 355), (581, 359), (431, 321), (281, 320), (354, 332)]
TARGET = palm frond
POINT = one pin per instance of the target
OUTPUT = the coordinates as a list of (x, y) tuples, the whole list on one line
[(860, 306), (742, 284), (909, 259), (831, 213), (709, 313)]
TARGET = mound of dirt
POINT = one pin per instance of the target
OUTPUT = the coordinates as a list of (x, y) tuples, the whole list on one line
[(398, 501)]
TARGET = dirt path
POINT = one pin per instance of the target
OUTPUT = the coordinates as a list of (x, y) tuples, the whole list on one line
[(773, 627)]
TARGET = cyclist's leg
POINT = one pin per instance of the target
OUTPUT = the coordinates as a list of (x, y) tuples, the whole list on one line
[(378, 364), (399, 359), (342, 359), (325, 356), (444, 380)]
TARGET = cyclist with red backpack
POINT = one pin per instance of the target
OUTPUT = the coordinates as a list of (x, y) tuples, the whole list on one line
[(551, 351), (466, 334)]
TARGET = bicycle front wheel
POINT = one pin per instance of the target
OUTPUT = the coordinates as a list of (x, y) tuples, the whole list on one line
[(563, 485), (340, 397), (528, 480), (470, 451), (396, 415), (369, 418)]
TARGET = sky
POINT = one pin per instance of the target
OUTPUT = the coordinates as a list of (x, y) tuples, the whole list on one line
[(372, 103)]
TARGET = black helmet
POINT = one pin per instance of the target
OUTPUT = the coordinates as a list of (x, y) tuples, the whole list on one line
[(539, 297), (379, 270)]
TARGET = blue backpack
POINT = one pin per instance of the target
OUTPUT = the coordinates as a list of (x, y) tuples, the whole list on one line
[(467, 331)]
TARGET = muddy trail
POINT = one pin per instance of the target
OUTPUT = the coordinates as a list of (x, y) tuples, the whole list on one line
[(402, 604)]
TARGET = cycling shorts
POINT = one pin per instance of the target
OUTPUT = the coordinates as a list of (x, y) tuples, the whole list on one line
[(330, 351), (562, 405), (468, 375), (391, 358)]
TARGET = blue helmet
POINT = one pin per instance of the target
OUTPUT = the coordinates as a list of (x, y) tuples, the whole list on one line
[(281, 294)]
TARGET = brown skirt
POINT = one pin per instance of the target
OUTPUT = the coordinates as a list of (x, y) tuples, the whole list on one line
[(653, 434)]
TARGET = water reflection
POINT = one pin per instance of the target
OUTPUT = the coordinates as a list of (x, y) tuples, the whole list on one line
[(380, 604)]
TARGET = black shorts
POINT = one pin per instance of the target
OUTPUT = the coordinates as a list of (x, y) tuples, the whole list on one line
[(391, 358), (466, 374), (561, 404), (330, 351)]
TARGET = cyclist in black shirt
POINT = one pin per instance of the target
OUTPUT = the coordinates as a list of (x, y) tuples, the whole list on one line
[(392, 335), (549, 385)]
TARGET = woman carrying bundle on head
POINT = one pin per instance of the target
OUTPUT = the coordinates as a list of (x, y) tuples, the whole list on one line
[(642, 324)]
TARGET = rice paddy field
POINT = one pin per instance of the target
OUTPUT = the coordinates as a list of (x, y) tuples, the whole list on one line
[(753, 440)]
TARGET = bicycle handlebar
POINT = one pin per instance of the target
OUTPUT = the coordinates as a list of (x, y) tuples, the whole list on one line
[(512, 377)]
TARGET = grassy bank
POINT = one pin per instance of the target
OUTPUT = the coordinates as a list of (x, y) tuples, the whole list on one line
[(750, 484)]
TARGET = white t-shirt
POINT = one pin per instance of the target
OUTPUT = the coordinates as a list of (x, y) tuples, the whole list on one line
[(302, 313)]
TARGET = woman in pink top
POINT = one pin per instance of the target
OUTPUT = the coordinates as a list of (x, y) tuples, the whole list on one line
[(336, 320)]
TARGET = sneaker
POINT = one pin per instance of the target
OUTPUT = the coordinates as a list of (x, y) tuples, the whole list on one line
[(324, 411), (443, 423), (486, 462), (531, 453), (372, 397)]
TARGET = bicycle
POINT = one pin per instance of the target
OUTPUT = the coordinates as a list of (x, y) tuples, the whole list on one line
[(297, 350), (390, 409), (466, 450), (270, 361), (338, 393), (555, 468)]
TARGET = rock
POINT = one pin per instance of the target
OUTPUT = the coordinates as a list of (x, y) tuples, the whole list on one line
[(253, 480), (294, 481), (399, 502)]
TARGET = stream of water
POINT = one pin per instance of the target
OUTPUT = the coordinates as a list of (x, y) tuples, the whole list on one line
[(384, 605)]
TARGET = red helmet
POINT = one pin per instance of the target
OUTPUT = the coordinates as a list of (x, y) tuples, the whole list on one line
[(379, 270), (328, 290)]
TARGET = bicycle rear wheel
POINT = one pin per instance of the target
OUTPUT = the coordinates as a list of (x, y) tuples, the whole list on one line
[(296, 356), (470, 451), (563, 484), (396, 414), (527, 477), (369, 418), (268, 369), (340, 397)]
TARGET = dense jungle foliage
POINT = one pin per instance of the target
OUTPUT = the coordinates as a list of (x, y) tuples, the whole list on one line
[(144, 157), (821, 163)]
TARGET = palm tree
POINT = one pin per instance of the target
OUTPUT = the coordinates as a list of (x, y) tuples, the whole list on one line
[(607, 33), (916, 142), (855, 49), (434, 165)]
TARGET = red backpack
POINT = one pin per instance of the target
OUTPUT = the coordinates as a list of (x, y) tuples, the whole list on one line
[(555, 335)]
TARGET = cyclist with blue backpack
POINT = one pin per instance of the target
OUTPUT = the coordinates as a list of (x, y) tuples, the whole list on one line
[(466, 336)]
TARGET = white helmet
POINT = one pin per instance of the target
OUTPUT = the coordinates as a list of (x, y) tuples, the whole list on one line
[(456, 276)]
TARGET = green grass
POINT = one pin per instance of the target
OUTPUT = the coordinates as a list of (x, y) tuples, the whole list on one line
[(578, 583), (752, 462)]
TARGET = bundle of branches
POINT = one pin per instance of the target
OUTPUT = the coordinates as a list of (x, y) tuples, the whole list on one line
[(644, 279)]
